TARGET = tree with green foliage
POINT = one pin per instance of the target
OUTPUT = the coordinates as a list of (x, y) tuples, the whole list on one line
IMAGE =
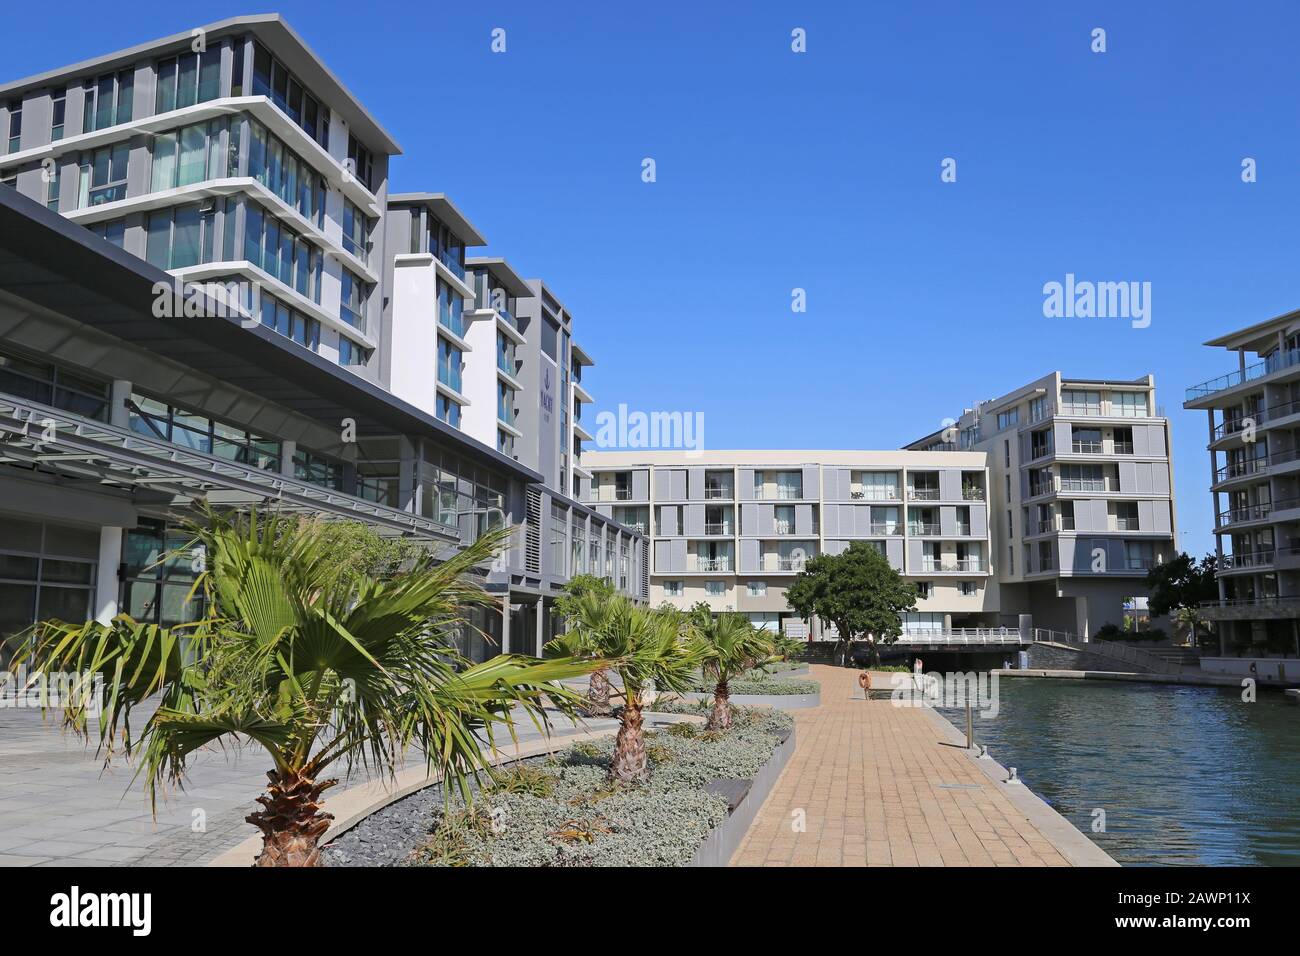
[(645, 648), (857, 591), (1181, 582), (729, 646), (315, 660), (584, 605)]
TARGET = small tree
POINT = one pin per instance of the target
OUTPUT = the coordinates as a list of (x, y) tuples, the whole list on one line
[(643, 647), (584, 605), (729, 645), (1181, 582), (855, 590)]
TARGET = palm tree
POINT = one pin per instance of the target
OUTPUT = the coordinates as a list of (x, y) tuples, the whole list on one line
[(314, 661), (729, 645), (585, 607), (644, 648)]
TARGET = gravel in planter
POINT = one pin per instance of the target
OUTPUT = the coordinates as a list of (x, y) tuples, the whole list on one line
[(776, 686), (561, 810)]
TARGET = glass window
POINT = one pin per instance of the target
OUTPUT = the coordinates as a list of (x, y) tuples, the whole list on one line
[(350, 353), (59, 114), (352, 305), (108, 167)]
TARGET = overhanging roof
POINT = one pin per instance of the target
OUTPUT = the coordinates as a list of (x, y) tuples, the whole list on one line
[(1262, 336), (511, 280), (272, 29), (445, 210), (58, 265)]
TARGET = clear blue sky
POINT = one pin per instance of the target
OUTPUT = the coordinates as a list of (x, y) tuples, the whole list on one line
[(821, 171)]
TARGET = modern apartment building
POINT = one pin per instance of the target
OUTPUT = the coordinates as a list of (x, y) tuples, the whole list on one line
[(732, 528), (208, 291), (1081, 502), (1253, 434)]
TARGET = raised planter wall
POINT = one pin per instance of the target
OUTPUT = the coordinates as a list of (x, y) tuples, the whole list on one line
[(779, 701), (724, 839)]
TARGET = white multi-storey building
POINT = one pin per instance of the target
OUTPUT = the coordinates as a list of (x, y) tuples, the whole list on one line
[(1081, 502), (1253, 434), (732, 528)]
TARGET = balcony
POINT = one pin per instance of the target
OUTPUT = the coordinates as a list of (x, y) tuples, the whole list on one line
[(922, 494), (713, 565), (972, 493), (1087, 484), (622, 494), (959, 566), (783, 527), (1248, 559), (791, 564), (875, 494), (963, 530), (884, 528), (718, 491), (1082, 410), (717, 527), (1123, 448), (778, 494), (1254, 512), (1242, 469), (1250, 373), (922, 528), (1086, 447)]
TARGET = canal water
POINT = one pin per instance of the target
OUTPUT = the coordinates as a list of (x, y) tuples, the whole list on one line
[(1187, 776)]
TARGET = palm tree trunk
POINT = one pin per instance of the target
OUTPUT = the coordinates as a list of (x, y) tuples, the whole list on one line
[(720, 718), (598, 694), (630, 763), (291, 820)]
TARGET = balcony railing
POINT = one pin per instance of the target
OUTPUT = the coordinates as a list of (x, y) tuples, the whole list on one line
[(717, 527), (713, 564), (783, 527), (622, 494), (963, 530), (780, 493), (718, 491), (791, 564), (1241, 469), (971, 493), (1273, 363), (875, 494), (961, 565), (922, 528), (1248, 559), (923, 494), (1086, 447), (1123, 448), (1087, 484), (885, 528), (1252, 512)]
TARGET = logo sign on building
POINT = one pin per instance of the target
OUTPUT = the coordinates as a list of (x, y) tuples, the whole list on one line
[(547, 393)]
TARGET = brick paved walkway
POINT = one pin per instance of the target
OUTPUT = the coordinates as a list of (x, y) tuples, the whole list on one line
[(876, 784)]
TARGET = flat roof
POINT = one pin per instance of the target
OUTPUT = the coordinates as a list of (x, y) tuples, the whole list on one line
[(511, 280), (683, 458), (61, 266), (445, 210), (268, 27)]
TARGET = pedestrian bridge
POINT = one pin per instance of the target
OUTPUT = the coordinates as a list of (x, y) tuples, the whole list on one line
[(963, 638)]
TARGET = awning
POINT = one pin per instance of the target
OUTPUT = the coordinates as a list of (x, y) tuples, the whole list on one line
[(39, 436)]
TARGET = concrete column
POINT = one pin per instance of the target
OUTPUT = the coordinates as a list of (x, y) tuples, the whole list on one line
[(106, 583), (118, 414), (541, 625), (287, 450), (505, 623)]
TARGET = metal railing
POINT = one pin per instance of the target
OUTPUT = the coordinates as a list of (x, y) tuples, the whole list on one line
[(1086, 447), (922, 528), (1248, 559), (713, 564), (1115, 650), (970, 493), (962, 635), (778, 494), (885, 528), (1250, 373), (717, 527), (962, 565), (923, 494)]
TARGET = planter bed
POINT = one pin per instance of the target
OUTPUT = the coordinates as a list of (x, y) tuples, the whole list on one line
[(769, 692), (559, 810)]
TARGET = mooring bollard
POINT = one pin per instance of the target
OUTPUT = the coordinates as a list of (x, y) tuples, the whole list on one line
[(970, 727)]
